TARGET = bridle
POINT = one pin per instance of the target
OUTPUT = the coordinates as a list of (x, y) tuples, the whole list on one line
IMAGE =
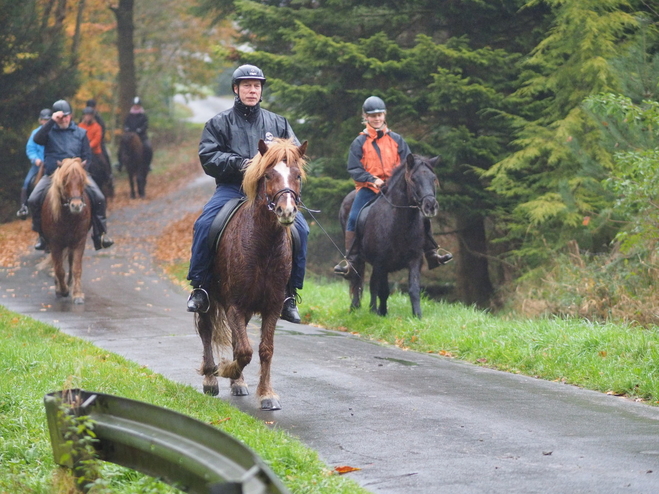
[(272, 203), (417, 201)]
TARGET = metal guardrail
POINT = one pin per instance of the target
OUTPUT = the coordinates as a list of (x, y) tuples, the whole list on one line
[(179, 450)]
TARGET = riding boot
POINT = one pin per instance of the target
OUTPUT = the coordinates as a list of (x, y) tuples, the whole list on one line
[(41, 244), (345, 267), (433, 258), (289, 311), (99, 224), (23, 211), (198, 300)]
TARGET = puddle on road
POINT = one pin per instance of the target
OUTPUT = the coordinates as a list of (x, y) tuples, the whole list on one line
[(398, 361)]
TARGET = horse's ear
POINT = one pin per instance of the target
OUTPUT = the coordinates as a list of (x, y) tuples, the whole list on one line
[(59, 163), (435, 161), (303, 148), (263, 147), (84, 164), (410, 161)]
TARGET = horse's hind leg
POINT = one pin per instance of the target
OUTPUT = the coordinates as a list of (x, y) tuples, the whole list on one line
[(131, 181), (265, 393), (357, 284), (204, 323)]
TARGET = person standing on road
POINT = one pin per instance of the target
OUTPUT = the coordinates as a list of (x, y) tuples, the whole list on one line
[(372, 158), (35, 154), (62, 139), (229, 141)]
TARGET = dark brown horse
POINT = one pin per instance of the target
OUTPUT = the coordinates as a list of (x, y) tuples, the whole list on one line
[(101, 171), (65, 221), (131, 156), (393, 235), (251, 269)]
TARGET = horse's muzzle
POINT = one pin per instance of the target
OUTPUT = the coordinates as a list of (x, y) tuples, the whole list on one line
[(429, 207), (76, 206)]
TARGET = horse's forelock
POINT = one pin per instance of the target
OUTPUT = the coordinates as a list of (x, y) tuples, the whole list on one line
[(280, 150), (71, 169)]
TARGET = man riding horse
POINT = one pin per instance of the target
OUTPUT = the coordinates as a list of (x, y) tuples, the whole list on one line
[(372, 157), (229, 141), (62, 138)]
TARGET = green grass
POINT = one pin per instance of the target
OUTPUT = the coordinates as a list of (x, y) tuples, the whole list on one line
[(606, 357), (36, 359)]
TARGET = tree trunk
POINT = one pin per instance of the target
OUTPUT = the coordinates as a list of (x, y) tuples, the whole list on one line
[(473, 277), (75, 46), (125, 47)]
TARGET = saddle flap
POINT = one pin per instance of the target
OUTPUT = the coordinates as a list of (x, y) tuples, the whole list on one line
[(363, 215), (221, 220)]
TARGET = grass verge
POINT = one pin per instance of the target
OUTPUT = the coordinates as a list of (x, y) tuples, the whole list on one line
[(613, 358), (38, 359)]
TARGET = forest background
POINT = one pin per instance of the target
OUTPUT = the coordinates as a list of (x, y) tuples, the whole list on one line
[(543, 111)]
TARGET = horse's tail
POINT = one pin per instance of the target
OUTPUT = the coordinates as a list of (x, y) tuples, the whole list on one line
[(215, 322)]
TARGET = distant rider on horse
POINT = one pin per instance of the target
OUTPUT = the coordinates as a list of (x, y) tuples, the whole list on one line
[(35, 154), (372, 157), (229, 140), (137, 121), (62, 138)]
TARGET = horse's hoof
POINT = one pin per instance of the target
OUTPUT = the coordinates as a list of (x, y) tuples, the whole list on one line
[(79, 300), (270, 404), (212, 390), (239, 390), (62, 294)]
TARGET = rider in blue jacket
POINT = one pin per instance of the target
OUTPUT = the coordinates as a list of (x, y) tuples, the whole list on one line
[(62, 139), (229, 140), (35, 154)]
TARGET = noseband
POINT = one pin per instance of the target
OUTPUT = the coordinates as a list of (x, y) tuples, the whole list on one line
[(273, 203)]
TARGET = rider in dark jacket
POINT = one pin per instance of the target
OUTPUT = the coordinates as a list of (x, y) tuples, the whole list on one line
[(229, 140), (62, 139), (137, 121)]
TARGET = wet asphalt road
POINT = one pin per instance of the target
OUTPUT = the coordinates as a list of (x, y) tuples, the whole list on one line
[(412, 422)]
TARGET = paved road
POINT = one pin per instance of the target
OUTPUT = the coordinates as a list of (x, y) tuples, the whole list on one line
[(411, 422)]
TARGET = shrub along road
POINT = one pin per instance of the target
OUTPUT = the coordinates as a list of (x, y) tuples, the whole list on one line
[(411, 422)]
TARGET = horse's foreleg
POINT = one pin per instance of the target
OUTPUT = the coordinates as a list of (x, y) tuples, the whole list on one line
[(378, 278), (265, 393), (204, 323), (75, 269), (383, 293), (415, 286), (61, 288), (357, 284), (242, 350), (131, 181)]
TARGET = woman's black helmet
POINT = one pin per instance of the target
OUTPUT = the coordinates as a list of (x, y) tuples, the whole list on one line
[(247, 72), (45, 114), (373, 104), (63, 106)]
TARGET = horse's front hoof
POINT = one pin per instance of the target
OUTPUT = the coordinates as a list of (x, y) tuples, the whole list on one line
[(79, 300), (270, 404), (62, 294), (211, 389), (239, 390)]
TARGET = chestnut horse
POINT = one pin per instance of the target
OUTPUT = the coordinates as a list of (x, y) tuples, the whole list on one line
[(131, 155), (65, 221), (393, 235), (251, 268)]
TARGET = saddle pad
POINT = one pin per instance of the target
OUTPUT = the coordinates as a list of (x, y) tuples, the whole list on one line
[(221, 220)]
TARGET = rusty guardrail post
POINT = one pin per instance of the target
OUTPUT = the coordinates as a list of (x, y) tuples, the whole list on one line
[(175, 448)]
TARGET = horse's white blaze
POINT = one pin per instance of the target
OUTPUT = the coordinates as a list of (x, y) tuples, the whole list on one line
[(285, 172)]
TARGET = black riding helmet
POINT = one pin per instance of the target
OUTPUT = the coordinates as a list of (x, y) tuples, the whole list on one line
[(63, 106), (373, 104), (45, 114), (247, 72)]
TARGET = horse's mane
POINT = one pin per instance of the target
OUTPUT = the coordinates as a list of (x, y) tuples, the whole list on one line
[(399, 172), (280, 150), (70, 169)]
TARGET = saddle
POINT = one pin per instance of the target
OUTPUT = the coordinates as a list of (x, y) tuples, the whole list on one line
[(222, 219), (363, 215)]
